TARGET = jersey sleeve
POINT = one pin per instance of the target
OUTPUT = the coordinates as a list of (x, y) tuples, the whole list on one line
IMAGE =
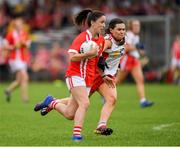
[(129, 38), (9, 38), (107, 37), (75, 46)]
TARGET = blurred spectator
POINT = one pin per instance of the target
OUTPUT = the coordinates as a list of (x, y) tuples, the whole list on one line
[(40, 64), (41, 20), (58, 61), (53, 14), (4, 20), (57, 19), (3, 61)]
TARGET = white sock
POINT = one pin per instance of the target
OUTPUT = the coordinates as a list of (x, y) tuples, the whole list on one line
[(142, 100), (101, 124)]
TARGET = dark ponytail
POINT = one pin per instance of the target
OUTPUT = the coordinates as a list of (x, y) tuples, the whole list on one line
[(94, 16), (81, 17)]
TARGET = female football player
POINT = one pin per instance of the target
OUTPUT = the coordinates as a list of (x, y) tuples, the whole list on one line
[(80, 73), (17, 44), (113, 51), (130, 62)]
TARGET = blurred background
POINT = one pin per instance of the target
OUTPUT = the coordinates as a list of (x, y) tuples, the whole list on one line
[(50, 25)]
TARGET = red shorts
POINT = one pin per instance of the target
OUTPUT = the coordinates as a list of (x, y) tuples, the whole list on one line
[(97, 82), (128, 62)]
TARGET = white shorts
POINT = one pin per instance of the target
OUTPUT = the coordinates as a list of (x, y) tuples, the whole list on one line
[(175, 62), (17, 65), (76, 81)]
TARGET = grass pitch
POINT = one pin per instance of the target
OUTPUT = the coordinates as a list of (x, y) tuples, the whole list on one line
[(132, 125)]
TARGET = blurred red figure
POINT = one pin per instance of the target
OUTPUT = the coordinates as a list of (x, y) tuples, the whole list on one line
[(17, 44), (58, 61), (175, 63), (130, 62), (41, 59)]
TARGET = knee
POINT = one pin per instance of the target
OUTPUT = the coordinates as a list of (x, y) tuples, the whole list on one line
[(111, 100), (24, 78), (85, 104), (69, 115), (140, 81)]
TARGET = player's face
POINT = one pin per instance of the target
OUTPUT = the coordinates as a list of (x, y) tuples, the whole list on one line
[(19, 24), (136, 27), (119, 31), (99, 25)]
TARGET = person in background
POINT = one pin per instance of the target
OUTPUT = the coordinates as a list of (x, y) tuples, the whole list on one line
[(18, 42), (4, 72), (130, 62), (175, 63), (58, 61)]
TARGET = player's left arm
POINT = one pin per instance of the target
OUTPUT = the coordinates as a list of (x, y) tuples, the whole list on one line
[(101, 62)]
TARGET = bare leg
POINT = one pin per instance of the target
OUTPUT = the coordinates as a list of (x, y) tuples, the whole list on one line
[(121, 75), (15, 83), (139, 79), (67, 107), (110, 96), (81, 97), (24, 85)]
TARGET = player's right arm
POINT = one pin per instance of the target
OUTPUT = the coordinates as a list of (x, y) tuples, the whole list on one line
[(81, 56), (74, 51), (129, 46)]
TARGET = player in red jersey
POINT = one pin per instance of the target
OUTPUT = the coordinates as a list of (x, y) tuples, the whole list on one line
[(175, 63), (80, 73), (104, 82), (130, 62), (17, 44)]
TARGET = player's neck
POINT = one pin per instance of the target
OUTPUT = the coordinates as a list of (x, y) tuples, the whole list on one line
[(94, 34)]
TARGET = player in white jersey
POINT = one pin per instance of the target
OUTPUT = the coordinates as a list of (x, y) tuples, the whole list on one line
[(113, 51), (113, 55), (130, 62)]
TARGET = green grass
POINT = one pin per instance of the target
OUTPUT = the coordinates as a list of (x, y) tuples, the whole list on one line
[(132, 125)]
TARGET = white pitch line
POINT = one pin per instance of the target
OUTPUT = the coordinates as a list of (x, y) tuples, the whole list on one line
[(162, 126)]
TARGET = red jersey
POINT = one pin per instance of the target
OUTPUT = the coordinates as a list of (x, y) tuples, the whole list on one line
[(14, 37), (84, 68), (176, 50)]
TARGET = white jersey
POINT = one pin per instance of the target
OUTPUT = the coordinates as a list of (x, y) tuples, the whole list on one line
[(133, 39), (113, 56)]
